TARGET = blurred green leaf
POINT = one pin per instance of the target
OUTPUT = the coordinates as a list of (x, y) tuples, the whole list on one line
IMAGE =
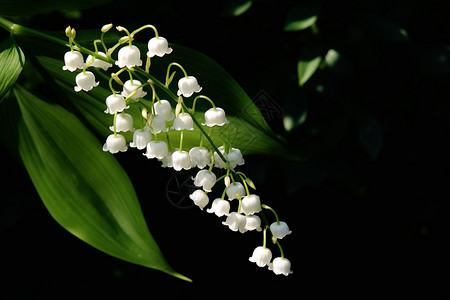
[(85, 189), (11, 64), (235, 8), (384, 29), (302, 15), (309, 62), (26, 7)]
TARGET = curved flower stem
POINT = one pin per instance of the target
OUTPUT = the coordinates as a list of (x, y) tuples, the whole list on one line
[(281, 249), (245, 184), (202, 97), (273, 211), (179, 66), (115, 118), (240, 203), (181, 140), (130, 37), (144, 27)]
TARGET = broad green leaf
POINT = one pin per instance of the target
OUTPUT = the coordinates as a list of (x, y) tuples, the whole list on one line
[(25, 7), (84, 189), (302, 15), (11, 64)]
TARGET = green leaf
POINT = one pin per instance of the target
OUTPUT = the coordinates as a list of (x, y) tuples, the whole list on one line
[(306, 67), (11, 64), (302, 15), (84, 189), (26, 7), (235, 8)]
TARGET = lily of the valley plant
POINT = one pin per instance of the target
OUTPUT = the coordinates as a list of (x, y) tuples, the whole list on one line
[(133, 82)]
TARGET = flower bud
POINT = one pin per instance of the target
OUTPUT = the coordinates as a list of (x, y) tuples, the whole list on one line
[(106, 28)]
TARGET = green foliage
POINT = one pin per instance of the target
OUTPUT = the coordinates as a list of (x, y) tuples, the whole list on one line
[(11, 64), (85, 190)]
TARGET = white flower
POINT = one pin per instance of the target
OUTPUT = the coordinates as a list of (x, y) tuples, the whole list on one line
[(124, 122), (236, 188), (200, 198), (253, 222), (199, 157), (85, 82), (183, 121), (279, 230), (158, 46), (251, 204), (218, 162), (130, 86), (235, 157), (205, 179), (159, 124), (129, 57), (261, 256), (141, 138), (73, 60), (187, 86), (181, 160), (166, 160), (115, 143), (156, 149), (220, 207), (115, 103), (163, 108), (215, 117), (98, 63), (281, 266), (236, 222)]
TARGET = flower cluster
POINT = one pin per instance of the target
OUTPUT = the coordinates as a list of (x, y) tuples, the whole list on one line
[(149, 131)]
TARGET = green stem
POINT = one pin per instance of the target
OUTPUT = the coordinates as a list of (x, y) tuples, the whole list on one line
[(273, 211), (115, 117), (179, 66), (202, 97), (181, 140), (245, 184), (281, 249), (265, 236), (144, 27)]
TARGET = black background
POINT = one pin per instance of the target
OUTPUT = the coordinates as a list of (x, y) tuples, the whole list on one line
[(367, 207)]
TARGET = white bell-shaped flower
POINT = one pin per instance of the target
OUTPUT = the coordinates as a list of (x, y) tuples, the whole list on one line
[(181, 160), (205, 179), (73, 60), (158, 46), (85, 81), (200, 198), (156, 149), (261, 256), (251, 204), (115, 103), (124, 122), (129, 57), (159, 124), (164, 109), (235, 157), (183, 121), (218, 162), (253, 223), (199, 157), (166, 160), (115, 143), (188, 86), (98, 63), (141, 138), (220, 207), (130, 86), (236, 222), (235, 189), (279, 230), (215, 117), (281, 266)]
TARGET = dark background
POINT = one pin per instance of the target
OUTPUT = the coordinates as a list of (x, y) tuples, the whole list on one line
[(367, 206)]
